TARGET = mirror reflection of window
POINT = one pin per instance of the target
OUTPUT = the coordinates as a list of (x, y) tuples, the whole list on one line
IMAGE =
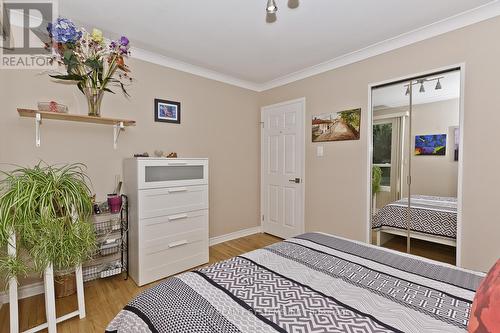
[(382, 146)]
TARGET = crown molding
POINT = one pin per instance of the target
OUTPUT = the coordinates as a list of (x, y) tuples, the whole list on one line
[(452, 23), (182, 66)]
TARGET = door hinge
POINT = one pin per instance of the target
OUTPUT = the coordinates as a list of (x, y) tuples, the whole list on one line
[(262, 217), (262, 124), (408, 180)]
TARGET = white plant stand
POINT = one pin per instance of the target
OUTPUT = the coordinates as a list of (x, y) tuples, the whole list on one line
[(50, 300)]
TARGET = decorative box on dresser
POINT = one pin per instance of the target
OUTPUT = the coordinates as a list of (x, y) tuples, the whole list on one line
[(168, 224)]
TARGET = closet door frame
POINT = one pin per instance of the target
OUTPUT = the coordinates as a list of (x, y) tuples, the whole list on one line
[(369, 138)]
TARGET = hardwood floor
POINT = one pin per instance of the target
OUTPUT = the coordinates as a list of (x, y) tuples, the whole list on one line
[(105, 298), (422, 248)]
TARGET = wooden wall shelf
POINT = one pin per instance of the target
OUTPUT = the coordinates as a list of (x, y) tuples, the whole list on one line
[(117, 123), (75, 117)]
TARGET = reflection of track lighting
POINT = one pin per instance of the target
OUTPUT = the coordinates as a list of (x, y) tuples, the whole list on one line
[(438, 85), (422, 88)]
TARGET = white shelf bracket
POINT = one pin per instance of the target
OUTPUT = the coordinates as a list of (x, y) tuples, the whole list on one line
[(38, 122), (117, 128)]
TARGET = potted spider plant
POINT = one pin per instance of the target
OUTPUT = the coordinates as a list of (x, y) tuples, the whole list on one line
[(49, 209)]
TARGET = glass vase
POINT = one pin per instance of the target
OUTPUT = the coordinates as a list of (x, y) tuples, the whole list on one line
[(94, 100)]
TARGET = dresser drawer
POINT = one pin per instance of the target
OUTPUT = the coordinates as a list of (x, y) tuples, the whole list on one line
[(157, 228), (171, 255), (172, 200), (157, 173)]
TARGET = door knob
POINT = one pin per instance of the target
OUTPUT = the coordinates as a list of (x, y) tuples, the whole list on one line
[(295, 180)]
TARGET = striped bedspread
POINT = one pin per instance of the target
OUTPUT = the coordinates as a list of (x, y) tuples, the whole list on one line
[(429, 215), (312, 283)]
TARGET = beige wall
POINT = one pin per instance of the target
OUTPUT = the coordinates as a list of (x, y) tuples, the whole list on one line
[(431, 175), (435, 175), (219, 121), (341, 207)]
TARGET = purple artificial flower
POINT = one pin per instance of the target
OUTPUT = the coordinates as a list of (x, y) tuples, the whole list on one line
[(123, 50), (124, 41), (64, 31), (49, 29)]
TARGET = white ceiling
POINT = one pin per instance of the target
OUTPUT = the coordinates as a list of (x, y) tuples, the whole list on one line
[(395, 95), (233, 39)]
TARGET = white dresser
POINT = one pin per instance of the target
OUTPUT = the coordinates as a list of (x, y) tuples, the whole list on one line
[(168, 207)]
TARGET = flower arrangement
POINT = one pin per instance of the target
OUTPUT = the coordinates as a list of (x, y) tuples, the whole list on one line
[(91, 62)]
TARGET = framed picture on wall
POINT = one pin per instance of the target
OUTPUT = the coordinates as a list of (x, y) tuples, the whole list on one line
[(167, 111), (434, 144), (336, 126)]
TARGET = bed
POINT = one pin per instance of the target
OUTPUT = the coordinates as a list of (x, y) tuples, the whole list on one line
[(311, 283), (433, 219)]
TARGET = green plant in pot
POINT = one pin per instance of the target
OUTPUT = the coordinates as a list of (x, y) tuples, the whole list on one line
[(49, 209), (376, 181)]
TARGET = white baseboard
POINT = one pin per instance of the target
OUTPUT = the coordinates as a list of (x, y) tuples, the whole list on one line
[(235, 235), (37, 288), (24, 292)]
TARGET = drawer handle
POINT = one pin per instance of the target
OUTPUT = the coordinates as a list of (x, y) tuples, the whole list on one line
[(179, 243), (177, 163), (177, 190), (177, 217)]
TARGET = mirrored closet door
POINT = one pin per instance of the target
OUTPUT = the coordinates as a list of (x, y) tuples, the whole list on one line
[(415, 163)]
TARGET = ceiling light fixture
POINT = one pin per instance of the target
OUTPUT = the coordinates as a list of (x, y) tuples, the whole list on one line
[(271, 7)]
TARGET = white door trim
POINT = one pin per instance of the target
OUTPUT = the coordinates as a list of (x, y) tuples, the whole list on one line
[(302, 100), (369, 131)]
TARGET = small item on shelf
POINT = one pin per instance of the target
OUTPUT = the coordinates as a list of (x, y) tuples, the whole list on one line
[(104, 207), (160, 153), (52, 107), (111, 240), (141, 155), (108, 248), (97, 210), (115, 203), (102, 270)]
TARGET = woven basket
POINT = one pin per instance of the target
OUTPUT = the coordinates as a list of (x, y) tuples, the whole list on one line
[(65, 285)]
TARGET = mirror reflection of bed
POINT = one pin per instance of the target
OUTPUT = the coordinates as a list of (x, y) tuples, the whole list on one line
[(415, 165)]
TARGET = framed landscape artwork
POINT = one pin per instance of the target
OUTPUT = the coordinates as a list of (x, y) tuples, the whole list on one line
[(167, 111), (336, 126), (430, 144)]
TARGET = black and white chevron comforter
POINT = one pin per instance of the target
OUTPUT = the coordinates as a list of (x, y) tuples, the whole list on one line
[(430, 215), (311, 283)]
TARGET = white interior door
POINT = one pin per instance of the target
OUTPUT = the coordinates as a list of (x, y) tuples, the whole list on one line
[(282, 168)]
